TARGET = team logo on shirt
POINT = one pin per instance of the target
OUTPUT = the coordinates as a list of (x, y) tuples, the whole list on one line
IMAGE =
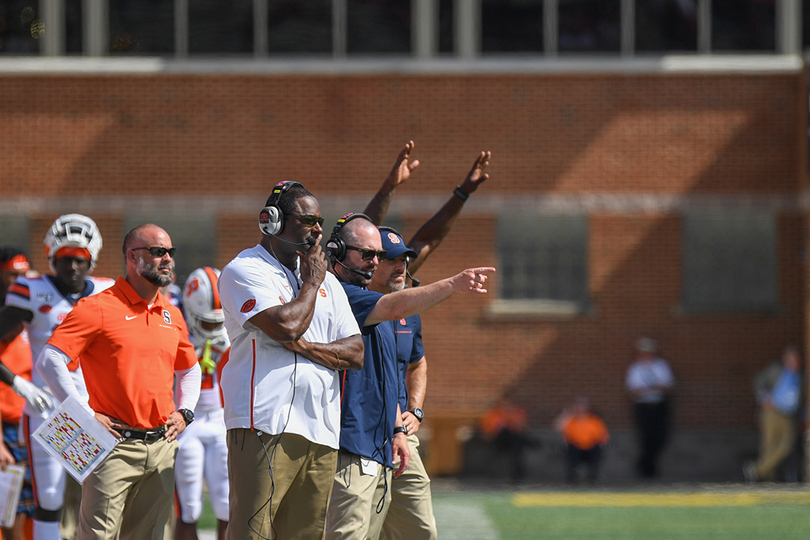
[(167, 318), (44, 308), (247, 306), (402, 322)]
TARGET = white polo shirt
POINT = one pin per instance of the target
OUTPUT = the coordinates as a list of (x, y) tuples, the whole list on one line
[(266, 386)]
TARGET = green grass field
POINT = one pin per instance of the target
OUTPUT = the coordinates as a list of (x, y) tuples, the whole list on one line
[(694, 512)]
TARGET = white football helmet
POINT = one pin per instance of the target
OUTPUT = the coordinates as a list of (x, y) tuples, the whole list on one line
[(201, 304), (73, 230)]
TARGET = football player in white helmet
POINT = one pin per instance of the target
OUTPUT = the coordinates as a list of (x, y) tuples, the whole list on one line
[(202, 451), (40, 304)]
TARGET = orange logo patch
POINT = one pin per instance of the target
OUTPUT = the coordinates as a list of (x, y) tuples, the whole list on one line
[(393, 238), (247, 306), (193, 286)]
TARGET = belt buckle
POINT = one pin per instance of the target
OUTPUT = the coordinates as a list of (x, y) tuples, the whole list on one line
[(155, 435)]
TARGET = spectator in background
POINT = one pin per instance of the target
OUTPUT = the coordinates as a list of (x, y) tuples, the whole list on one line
[(649, 383), (504, 426), (779, 393), (585, 436), (15, 354)]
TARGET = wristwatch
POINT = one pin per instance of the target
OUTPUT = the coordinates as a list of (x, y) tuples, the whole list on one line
[(401, 429), (418, 413), (188, 415)]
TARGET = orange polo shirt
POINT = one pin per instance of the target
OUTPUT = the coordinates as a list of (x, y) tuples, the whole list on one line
[(128, 353), (17, 357), (499, 417), (585, 432)]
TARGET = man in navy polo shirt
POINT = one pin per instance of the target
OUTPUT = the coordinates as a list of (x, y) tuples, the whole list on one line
[(410, 515), (371, 430)]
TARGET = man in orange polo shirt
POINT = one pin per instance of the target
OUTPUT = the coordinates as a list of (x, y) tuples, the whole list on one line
[(585, 436), (131, 342)]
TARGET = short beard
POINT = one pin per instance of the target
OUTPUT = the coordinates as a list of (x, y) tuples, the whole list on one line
[(395, 286), (356, 279), (150, 273)]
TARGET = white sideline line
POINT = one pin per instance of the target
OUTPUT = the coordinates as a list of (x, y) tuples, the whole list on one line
[(463, 521)]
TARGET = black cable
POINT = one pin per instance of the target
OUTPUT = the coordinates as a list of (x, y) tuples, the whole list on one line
[(381, 504), (270, 457)]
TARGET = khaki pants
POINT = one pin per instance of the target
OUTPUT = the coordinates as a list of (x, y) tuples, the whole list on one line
[(279, 485), (778, 433), (131, 490), (359, 501), (70, 509), (410, 516)]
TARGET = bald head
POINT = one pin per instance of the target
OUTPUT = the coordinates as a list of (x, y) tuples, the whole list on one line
[(141, 234), (359, 235), (360, 232), (148, 268)]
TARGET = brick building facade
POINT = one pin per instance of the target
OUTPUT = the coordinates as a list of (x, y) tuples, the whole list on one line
[(633, 153)]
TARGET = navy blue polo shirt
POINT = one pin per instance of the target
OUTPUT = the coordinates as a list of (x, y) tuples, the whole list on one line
[(369, 396), (408, 333)]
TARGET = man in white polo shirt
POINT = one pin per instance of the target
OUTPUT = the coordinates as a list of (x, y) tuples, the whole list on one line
[(292, 331)]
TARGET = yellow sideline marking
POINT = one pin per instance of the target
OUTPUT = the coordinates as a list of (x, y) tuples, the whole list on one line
[(659, 499)]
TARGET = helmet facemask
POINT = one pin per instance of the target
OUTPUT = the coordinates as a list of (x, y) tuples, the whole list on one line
[(73, 230)]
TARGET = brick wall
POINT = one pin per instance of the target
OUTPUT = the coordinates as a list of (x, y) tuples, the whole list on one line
[(73, 139)]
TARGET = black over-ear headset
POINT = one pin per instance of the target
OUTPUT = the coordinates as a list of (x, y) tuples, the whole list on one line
[(271, 218), (335, 246)]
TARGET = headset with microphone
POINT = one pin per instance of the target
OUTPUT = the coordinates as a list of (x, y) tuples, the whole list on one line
[(311, 241), (336, 247), (271, 223), (414, 282), (271, 218)]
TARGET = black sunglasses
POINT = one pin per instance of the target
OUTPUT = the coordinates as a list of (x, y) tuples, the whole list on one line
[(369, 254), (158, 252), (309, 220)]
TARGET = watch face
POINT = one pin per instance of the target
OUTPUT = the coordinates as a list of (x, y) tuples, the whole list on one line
[(418, 413)]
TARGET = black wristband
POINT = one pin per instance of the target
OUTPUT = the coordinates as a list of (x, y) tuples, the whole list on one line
[(401, 429), (460, 194)]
